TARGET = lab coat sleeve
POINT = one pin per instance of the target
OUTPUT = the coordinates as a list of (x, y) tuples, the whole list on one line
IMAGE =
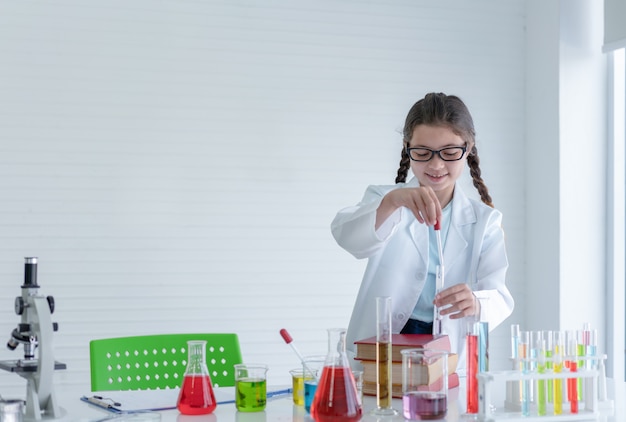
[(354, 227), (496, 302)]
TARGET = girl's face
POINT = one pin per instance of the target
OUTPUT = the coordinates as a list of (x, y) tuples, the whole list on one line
[(440, 175)]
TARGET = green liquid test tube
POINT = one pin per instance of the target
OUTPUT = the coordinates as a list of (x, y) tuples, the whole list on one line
[(547, 338), (558, 368), (541, 389)]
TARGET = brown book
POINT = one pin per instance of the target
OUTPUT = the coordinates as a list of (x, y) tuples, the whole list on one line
[(429, 373), (369, 388), (366, 348)]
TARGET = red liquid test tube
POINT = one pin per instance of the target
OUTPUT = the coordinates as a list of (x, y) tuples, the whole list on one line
[(472, 369)]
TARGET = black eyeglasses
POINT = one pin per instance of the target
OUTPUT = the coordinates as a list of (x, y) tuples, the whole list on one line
[(427, 154)]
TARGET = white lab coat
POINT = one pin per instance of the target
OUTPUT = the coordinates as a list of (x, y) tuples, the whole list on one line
[(474, 253)]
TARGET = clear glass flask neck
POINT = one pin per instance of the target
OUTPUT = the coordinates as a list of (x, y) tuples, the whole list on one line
[(337, 355), (196, 363)]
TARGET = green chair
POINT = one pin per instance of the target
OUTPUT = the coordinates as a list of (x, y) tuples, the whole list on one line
[(153, 362)]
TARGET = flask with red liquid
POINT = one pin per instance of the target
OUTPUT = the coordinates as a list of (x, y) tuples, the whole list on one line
[(336, 398), (196, 395)]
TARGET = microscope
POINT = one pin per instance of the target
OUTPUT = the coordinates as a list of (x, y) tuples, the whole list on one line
[(35, 333)]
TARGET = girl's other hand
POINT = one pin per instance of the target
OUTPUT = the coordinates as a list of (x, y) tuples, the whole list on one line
[(458, 301), (422, 201)]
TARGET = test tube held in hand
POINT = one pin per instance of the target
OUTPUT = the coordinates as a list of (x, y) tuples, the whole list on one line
[(439, 280), (437, 330)]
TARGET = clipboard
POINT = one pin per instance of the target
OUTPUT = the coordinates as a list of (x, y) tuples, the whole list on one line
[(138, 401)]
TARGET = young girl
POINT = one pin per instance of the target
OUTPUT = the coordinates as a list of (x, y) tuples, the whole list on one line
[(393, 226)]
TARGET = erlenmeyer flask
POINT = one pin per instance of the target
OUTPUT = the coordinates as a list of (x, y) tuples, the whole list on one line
[(196, 396), (336, 398)]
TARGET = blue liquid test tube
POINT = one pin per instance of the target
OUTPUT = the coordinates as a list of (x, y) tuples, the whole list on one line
[(592, 349), (483, 346)]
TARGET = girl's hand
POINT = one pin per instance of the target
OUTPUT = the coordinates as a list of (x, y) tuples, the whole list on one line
[(422, 201), (461, 301)]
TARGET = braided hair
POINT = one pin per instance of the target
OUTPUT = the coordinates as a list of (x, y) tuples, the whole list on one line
[(439, 109)]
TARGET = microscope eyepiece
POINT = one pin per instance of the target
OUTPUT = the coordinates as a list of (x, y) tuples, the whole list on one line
[(30, 272)]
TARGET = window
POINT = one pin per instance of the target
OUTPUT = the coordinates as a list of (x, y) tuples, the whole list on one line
[(616, 274)]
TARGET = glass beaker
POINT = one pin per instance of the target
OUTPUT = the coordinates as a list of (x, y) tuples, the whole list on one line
[(424, 384), (312, 367), (196, 395), (336, 397), (250, 387)]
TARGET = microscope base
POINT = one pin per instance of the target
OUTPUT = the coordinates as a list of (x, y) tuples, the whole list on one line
[(61, 415), (40, 410)]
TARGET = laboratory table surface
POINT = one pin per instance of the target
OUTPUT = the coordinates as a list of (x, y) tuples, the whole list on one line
[(282, 409)]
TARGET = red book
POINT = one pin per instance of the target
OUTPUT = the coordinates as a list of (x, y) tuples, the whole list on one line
[(366, 348)]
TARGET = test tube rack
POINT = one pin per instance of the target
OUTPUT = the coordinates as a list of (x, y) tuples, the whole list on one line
[(594, 400)]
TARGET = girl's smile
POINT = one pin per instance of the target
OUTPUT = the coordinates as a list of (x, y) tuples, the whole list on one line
[(441, 175)]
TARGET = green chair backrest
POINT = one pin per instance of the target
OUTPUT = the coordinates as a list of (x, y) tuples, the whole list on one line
[(159, 361)]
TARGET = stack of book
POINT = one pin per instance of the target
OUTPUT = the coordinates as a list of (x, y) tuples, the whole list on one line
[(366, 354)]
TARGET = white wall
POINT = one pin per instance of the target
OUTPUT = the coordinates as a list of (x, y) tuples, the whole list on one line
[(175, 165), (566, 179)]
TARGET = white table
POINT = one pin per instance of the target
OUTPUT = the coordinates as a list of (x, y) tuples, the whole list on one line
[(282, 409)]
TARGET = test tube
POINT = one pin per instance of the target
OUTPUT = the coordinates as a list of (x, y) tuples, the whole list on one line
[(522, 352), (437, 319), (541, 383), (483, 346), (514, 342), (592, 363), (548, 344), (582, 340), (574, 384), (472, 367), (592, 348), (513, 390), (571, 365), (558, 368), (534, 351)]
